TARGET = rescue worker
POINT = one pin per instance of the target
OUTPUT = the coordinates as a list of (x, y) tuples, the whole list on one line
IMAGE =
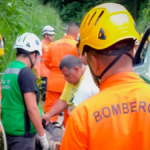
[(79, 86), (118, 117), (41, 70), (56, 81), (19, 111)]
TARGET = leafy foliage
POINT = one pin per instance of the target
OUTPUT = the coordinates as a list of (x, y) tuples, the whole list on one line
[(74, 10), (19, 16), (143, 18)]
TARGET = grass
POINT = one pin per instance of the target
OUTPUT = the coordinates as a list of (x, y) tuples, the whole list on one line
[(19, 16)]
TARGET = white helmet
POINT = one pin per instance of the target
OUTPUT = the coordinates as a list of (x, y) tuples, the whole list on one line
[(29, 42), (48, 30)]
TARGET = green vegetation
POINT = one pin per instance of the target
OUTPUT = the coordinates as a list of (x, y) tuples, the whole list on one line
[(19, 16), (144, 16), (76, 9)]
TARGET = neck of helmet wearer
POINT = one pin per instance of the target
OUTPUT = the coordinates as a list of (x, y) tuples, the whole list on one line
[(25, 59), (124, 64), (74, 35), (99, 63)]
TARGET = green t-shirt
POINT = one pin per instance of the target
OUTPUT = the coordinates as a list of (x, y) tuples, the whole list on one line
[(17, 80)]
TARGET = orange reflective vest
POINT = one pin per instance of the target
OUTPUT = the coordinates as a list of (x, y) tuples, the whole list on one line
[(57, 51), (40, 68), (117, 118)]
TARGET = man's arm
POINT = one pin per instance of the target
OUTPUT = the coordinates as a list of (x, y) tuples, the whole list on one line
[(58, 107), (31, 104), (37, 67), (74, 137), (27, 84)]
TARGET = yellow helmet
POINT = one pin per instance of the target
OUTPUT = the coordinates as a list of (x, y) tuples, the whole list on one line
[(1, 45), (106, 24)]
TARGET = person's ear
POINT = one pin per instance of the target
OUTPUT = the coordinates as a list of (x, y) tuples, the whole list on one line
[(76, 69), (94, 62), (76, 35)]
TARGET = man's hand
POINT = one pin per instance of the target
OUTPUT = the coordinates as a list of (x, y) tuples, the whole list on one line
[(58, 107), (47, 118), (44, 142)]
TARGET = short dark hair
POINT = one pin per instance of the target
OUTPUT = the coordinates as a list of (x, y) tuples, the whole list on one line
[(72, 27), (72, 23), (70, 62), (20, 51)]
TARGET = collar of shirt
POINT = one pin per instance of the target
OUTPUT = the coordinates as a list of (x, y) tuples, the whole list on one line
[(121, 78), (68, 37)]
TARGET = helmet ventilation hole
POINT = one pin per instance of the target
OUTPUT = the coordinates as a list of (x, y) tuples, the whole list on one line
[(91, 18), (86, 19), (99, 17)]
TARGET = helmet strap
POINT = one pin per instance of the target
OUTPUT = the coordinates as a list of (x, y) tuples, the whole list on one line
[(32, 63), (36, 57), (98, 78), (110, 65)]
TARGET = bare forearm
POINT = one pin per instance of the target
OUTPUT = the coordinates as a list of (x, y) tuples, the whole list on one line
[(59, 107), (36, 121)]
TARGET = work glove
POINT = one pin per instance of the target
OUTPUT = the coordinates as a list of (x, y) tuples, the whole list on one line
[(44, 142)]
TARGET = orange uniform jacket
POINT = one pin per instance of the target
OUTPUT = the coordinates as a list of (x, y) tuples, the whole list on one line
[(118, 118), (40, 68), (57, 51)]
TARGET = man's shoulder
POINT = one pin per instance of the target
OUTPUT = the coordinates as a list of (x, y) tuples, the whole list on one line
[(26, 72), (65, 41), (111, 102), (27, 81), (111, 96), (144, 90)]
